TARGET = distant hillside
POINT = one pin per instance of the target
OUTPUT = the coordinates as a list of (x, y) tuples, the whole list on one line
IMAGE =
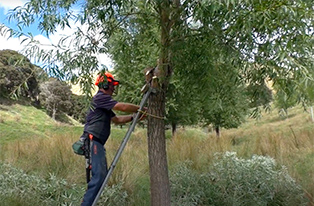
[(22, 81), (24, 122)]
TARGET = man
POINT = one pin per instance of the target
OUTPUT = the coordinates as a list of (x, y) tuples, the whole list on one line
[(97, 127)]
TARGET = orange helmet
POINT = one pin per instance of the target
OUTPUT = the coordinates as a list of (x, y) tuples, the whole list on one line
[(103, 82)]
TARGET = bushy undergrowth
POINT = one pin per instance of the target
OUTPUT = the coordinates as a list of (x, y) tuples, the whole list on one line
[(114, 195), (44, 147), (234, 181), (19, 188), (258, 181), (32, 189)]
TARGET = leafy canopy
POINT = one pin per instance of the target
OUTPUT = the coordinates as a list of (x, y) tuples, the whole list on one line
[(259, 40)]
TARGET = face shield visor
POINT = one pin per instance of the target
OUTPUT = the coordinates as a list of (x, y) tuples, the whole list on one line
[(115, 85)]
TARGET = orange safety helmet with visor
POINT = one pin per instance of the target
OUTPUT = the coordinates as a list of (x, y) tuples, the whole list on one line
[(103, 82)]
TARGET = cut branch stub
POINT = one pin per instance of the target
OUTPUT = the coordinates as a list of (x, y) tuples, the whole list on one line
[(151, 78)]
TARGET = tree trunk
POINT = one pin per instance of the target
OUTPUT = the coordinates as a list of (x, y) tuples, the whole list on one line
[(159, 179), (174, 128), (54, 111), (217, 131)]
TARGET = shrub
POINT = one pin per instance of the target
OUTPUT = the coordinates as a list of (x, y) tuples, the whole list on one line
[(237, 182), (256, 181), (19, 188), (114, 195), (15, 185), (185, 185)]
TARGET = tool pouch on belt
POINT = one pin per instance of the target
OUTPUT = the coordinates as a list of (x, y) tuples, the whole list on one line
[(79, 147)]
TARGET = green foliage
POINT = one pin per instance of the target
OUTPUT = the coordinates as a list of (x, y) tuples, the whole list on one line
[(51, 11), (268, 49), (134, 49), (182, 108), (51, 191), (18, 76), (235, 181), (259, 94), (260, 39), (114, 195), (286, 97), (223, 97), (16, 185), (79, 108)]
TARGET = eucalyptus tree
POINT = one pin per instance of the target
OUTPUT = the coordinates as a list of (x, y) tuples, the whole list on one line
[(269, 39), (55, 96)]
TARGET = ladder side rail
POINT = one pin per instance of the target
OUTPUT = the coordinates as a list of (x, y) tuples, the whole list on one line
[(122, 146)]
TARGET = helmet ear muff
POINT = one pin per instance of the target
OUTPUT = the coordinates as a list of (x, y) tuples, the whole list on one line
[(104, 84)]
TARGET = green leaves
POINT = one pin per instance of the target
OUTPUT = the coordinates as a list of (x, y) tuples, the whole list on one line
[(49, 15), (50, 191), (256, 40), (18, 77)]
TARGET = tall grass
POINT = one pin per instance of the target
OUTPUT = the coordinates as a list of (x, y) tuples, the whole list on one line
[(54, 156), (290, 142)]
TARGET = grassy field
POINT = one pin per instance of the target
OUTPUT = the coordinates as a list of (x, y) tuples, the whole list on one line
[(32, 141)]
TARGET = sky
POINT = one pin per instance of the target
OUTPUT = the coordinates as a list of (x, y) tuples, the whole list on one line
[(14, 43)]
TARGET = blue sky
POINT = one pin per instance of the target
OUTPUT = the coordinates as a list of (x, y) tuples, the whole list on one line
[(5, 6), (3, 19), (14, 43)]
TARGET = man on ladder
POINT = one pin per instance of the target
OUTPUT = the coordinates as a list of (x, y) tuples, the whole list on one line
[(97, 129)]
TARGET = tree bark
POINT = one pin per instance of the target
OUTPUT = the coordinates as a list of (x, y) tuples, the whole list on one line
[(159, 178)]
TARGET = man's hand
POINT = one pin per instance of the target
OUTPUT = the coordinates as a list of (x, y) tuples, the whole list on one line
[(143, 114), (141, 117)]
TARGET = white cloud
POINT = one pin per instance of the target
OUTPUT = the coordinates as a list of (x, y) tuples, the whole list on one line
[(15, 44), (10, 43), (11, 4), (5, 42)]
